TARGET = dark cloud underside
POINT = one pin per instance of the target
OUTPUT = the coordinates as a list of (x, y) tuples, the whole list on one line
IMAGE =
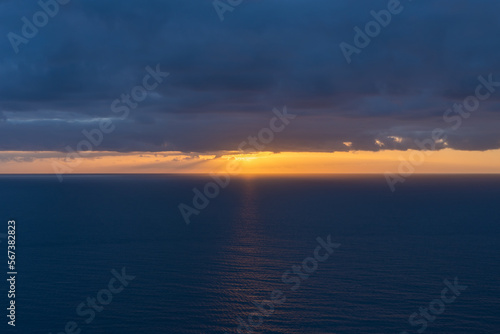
[(226, 77)]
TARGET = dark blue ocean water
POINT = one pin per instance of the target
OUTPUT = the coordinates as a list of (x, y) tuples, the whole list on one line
[(396, 251)]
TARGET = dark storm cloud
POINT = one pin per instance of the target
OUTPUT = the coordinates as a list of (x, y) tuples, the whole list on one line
[(225, 77)]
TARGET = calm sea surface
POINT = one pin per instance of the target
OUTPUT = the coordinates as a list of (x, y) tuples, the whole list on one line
[(396, 251)]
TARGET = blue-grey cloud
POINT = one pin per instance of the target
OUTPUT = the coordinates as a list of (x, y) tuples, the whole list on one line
[(226, 77)]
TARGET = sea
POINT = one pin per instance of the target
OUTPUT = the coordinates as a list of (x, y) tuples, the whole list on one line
[(288, 254)]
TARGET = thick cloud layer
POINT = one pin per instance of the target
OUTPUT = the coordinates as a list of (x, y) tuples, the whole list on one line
[(227, 76)]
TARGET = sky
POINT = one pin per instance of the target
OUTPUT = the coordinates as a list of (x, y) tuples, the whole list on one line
[(179, 85)]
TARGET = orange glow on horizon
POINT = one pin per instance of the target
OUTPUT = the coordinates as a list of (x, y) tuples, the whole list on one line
[(444, 161)]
